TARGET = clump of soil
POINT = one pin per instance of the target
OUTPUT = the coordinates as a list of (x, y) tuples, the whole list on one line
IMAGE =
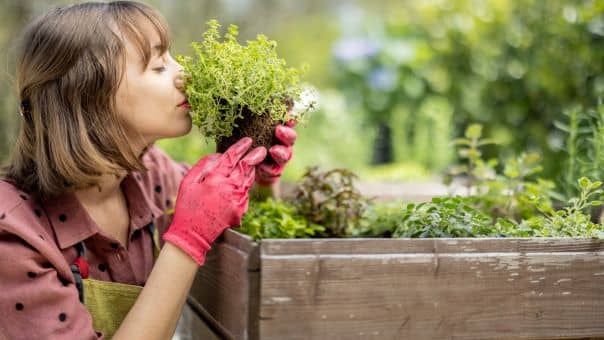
[(261, 128)]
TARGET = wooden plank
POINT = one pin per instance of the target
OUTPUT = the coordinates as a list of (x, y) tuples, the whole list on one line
[(435, 245), (223, 286), (474, 295), (245, 244)]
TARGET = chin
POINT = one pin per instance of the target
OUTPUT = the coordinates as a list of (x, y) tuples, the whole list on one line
[(182, 128)]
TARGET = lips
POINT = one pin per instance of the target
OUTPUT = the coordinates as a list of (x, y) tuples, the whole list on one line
[(185, 104)]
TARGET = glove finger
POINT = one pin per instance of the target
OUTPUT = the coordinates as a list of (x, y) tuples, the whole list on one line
[(280, 153), (203, 167), (239, 205), (229, 158), (243, 203), (255, 156), (249, 179), (248, 163), (270, 170), (286, 134)]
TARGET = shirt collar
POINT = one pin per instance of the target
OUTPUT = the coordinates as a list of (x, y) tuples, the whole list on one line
[(69, 220), (72, 224)]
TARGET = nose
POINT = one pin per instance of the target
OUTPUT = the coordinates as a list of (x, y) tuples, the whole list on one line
[(179, 82)]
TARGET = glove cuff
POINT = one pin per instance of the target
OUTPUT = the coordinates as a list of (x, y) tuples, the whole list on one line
[(195, 246)]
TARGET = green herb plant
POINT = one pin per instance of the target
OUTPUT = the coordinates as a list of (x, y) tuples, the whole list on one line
[(476, 170), (506, 202), (501, 193), (380, 219), (226, 79), (584, 146), (330, 199), (571, 221), (276, 219), (444, 217)]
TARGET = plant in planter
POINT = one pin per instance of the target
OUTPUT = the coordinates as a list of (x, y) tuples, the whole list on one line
[(502, 194), (506, 203), (276, 219), (446, 252), (324, 204), (329, 198), (236, 90)]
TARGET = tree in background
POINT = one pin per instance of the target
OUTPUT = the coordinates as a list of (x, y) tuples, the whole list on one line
[(514, 66)]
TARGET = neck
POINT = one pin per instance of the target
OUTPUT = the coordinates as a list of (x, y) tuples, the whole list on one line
[(107, 189), (109, 184)]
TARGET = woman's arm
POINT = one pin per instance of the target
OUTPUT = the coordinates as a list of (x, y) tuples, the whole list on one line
[(212, 197), (157, 309)]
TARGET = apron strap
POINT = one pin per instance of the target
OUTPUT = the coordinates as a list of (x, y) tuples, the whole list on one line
[(156, 243), (77, 269)]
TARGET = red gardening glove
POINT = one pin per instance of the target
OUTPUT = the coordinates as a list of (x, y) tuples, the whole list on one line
[(267, 174), (212, 197)]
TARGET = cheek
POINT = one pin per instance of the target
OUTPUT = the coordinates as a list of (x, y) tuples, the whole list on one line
[(147, 105), (135, 102)]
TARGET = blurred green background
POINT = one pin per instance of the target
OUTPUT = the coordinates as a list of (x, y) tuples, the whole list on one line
[(398, 80)]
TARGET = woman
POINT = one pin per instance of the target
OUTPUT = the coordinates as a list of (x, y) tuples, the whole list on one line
[(86, 191)]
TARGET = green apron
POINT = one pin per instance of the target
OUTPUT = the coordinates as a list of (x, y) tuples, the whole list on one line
[(109, 302)]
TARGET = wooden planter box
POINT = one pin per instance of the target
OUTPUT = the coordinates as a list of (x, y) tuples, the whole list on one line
[(547, 288)]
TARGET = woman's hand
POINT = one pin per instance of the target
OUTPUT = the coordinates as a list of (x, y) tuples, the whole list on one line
[(212, 197), (267, 174)]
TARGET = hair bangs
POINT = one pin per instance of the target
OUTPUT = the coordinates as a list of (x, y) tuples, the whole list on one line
[(131, 21)]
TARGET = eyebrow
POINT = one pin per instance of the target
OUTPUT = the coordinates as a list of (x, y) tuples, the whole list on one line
[(159, 48)]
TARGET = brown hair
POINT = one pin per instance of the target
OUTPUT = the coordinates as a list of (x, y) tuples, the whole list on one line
[(71, 62)]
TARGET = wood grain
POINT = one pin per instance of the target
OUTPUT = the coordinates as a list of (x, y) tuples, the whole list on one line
[(490, 288), (225, 287), (434, 295)]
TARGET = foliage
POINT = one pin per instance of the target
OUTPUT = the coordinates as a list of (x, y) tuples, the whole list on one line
[(380, 219), (458, 216), (225, 77), (571, 221), (514, 66), (584, 146), (478, 171), (276, 219), (330, 199), (444, 217), (498, 204), (507, 193)]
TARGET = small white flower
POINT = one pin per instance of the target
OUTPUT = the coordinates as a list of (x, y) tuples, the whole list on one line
[(308, 101)]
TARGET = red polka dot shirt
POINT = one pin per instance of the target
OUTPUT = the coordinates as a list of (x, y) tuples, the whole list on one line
[(38, 296)]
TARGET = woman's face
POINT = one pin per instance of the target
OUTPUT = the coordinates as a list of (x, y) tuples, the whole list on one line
[(151, 100)]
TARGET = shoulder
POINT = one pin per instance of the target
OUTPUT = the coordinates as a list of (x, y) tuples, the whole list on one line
[(26, 230), (19, 212), (10, 196)]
